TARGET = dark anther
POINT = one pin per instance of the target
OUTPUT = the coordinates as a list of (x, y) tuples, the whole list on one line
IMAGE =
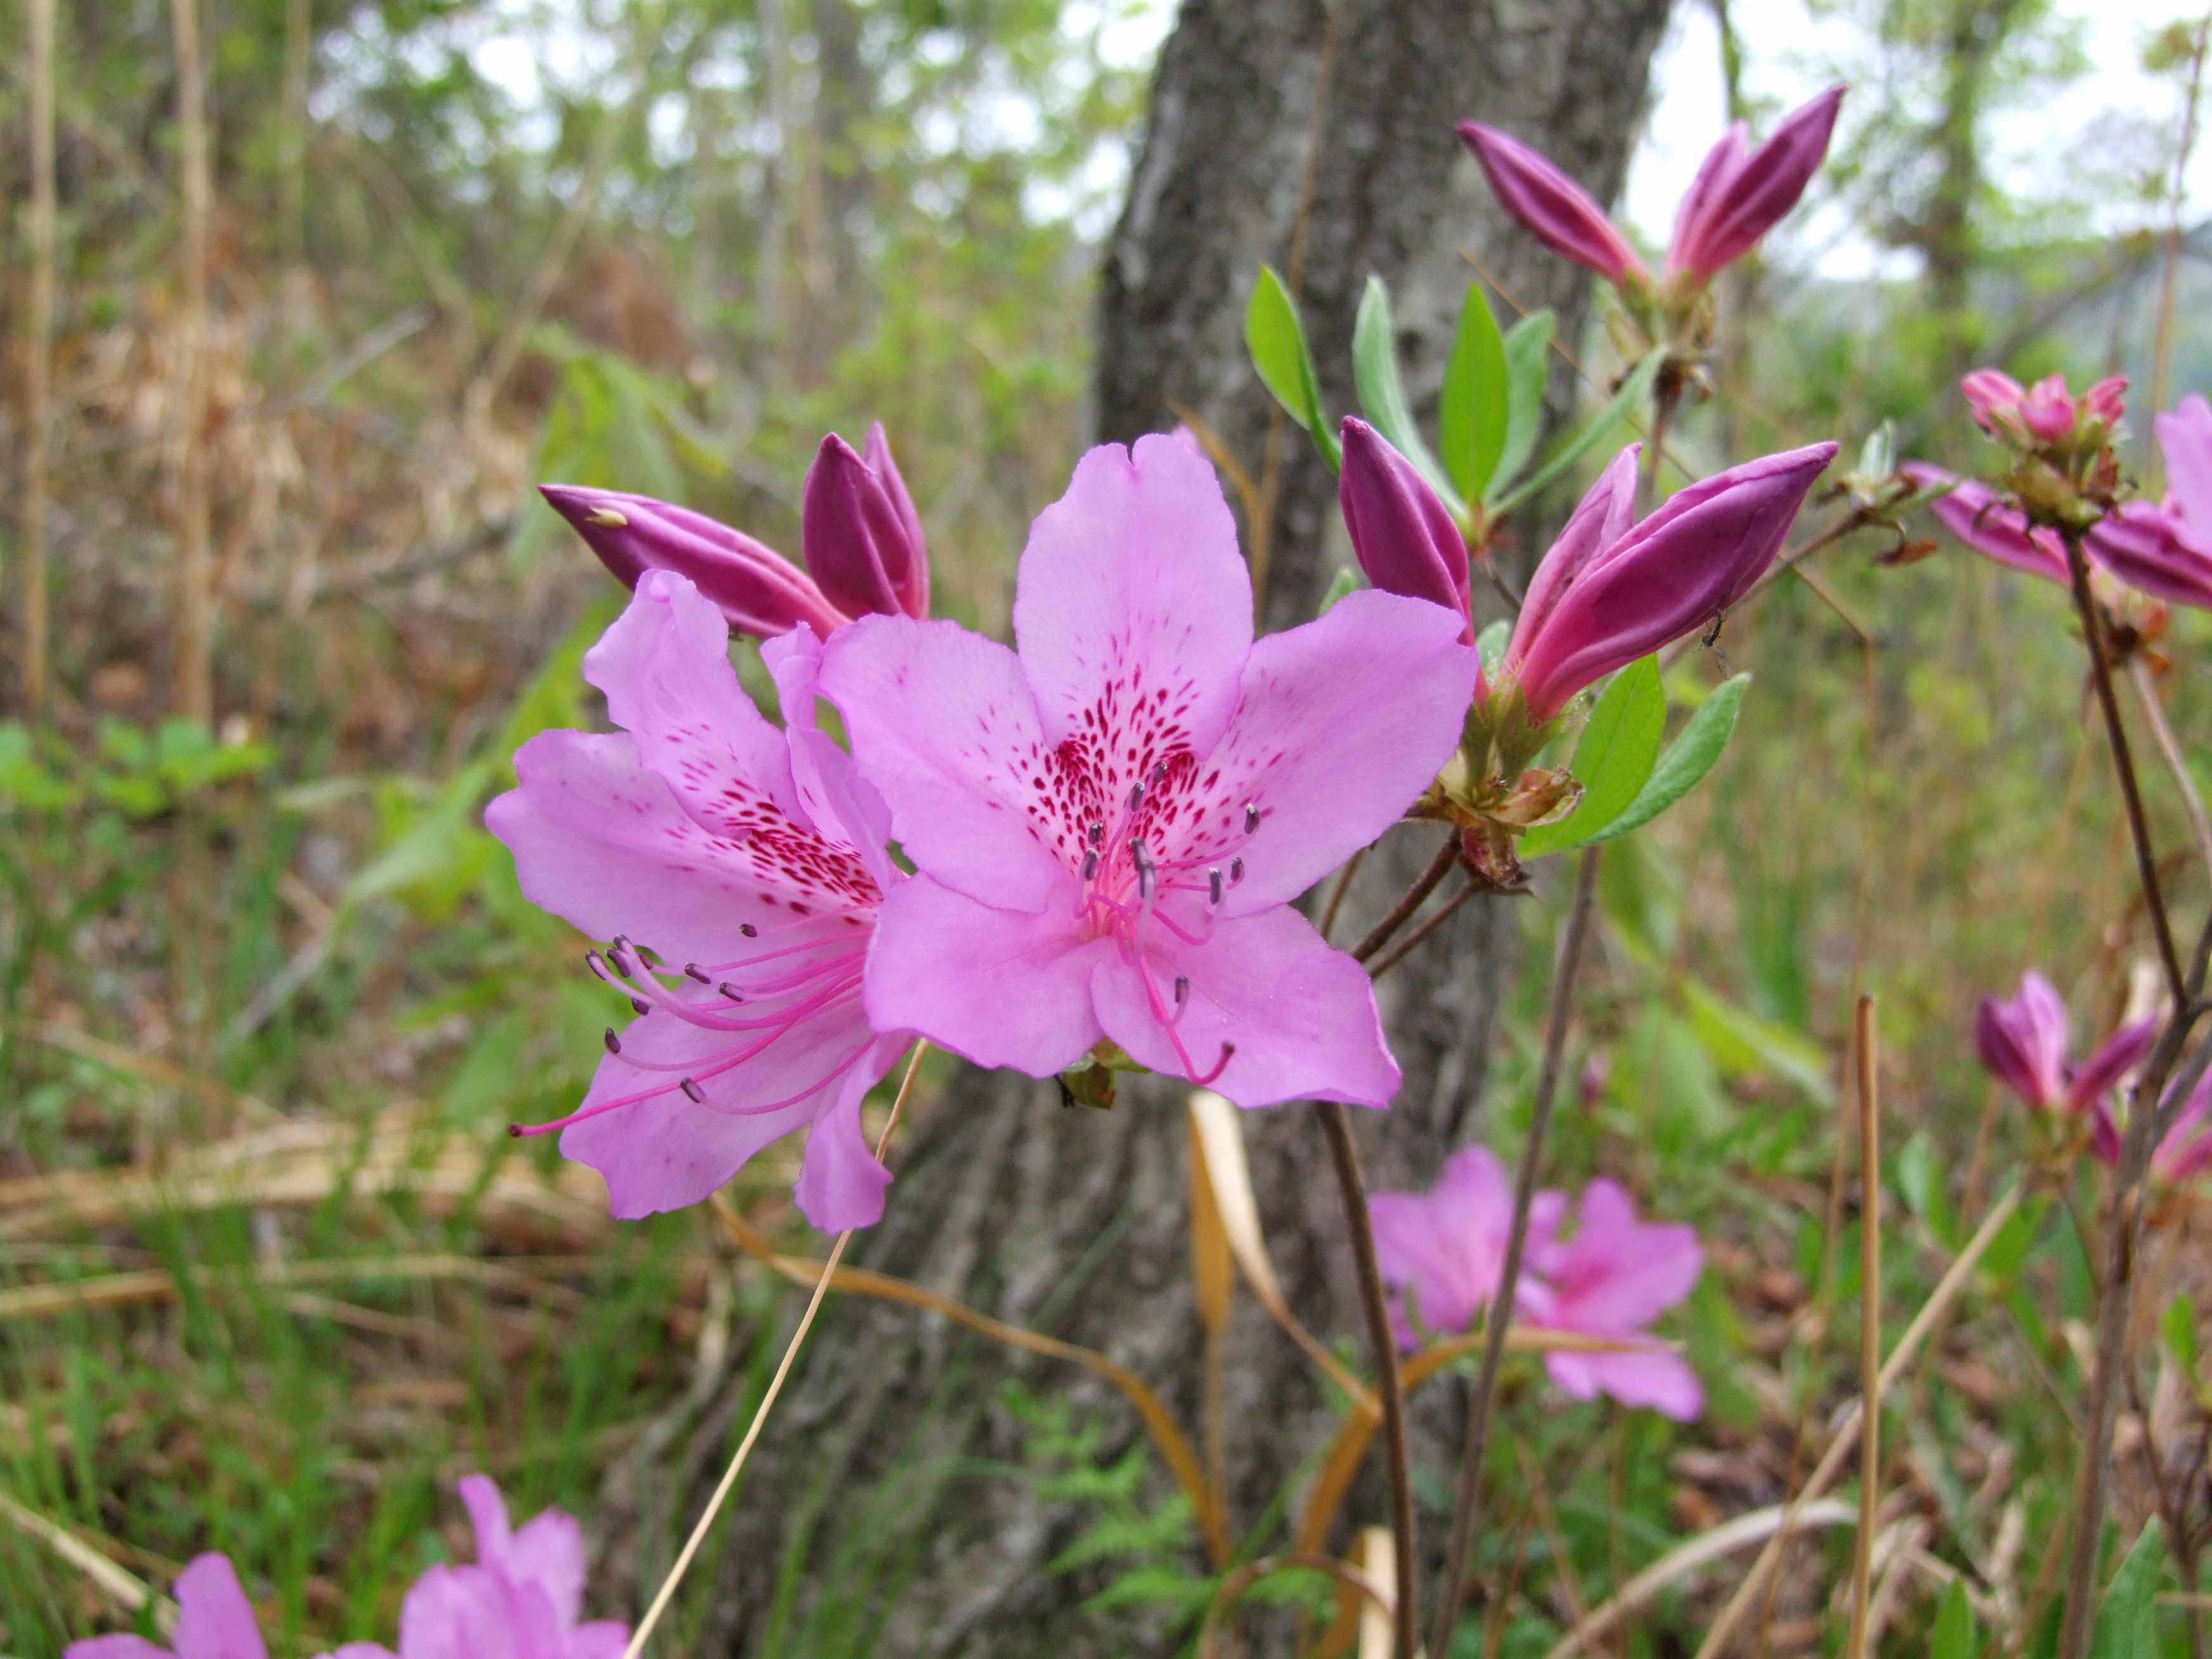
[(1136, 797), (640, 1005), (596, 963), (693, 970), (730, 991), (1097, 833), (1090, 865), (615, 960), (515, 1129), (697, 1096), (1251, 817), (1160, 773), (1183, 989), (1214, 884), (614, 1042), (748, 930), (1236, 871)]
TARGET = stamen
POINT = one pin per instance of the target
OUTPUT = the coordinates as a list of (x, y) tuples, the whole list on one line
[(1213, 888), (1136, 797), (615, 958), (1160, 773), (1098, 832), (730, 991), (693, 970), (640, 1005), (1089, 865), (614, 1042), (1220, 1066), (693, 1091), (1236, 871), (1147, 874), (1181, 991), (1251, 817)]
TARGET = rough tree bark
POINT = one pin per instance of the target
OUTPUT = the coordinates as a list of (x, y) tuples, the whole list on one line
[(886, 1510)]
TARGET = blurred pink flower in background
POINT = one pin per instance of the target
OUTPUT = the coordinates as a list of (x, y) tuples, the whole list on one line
[(2045, 413), (214, 1621), (1445, 1249), (2023, 1043), (753, 857), (2187, 1146), (1110, 822)]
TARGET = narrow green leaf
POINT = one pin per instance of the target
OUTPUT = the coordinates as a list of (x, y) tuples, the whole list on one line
[(2178, 1325), (1613, 759), (1633, 391), (1492, 642), (1475, 414), (1528, 369), (1688, 759), (1347, 581), (1277, 341), (1955, 1625), (2127, 1623), (1742, 1044), (1382, 393)]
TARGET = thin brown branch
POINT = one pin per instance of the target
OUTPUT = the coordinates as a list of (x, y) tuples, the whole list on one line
[(195, 690), (1467, 1508), (39, 358), (1869, 1322), (1415, 897), (1443, 913), (1336, 893), (1389, 1383)]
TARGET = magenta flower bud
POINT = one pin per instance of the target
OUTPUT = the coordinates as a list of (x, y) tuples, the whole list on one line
[(860, 534), (1985, 521), (2107, 401), (757, 590), (1989, 391), (1405, 535), (2045, 413), (1618, 592), (1740, 194), (2023, 1041), (2119, 1054), (1554, 209), (2152, 549), (2046, 410)]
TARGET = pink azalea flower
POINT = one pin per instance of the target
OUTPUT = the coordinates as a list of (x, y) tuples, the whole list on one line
[(2167, 550), (858, 528), (752, 862), (2187, 1148), (1401, 531), (2045, 413), (1110, 823), (2023, 1044), (1611, 590), (214, 1621), (1991, 524), (1741, 193), (520, 1601), (1444, 1250), (1612, 1279)]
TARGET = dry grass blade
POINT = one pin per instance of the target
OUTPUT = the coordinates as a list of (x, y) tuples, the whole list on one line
[(1378, 1556), (1866, 1058), (154, 1284), (1218, 1139), (1375, 1592), (1831, 1460), (124, 1589), (1166, 1434), (1685, 1559)]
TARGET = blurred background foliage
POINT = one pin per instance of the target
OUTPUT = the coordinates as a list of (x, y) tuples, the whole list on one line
[(272, 1273)]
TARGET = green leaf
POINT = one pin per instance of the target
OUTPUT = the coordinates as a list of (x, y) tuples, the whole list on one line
[(1688, 759), (1492, 642), (1277, 341), (2127, 1623), (1613, 760), (1954, 1626), (1920, 1174), (1633, 391), (1382, 394), (2009, 1251), (2178, 1325), (1475, 414), (1528, 347), (1741, 1043)]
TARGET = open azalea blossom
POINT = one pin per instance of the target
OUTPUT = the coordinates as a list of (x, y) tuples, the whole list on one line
[(2186, 1149), (2165, 549), (1739, 195), (214, 1621), (1611, 589), (747, 864), (1990, 523), (2023, 1043), (1110, 823), (1611, 1279), (521, 1599), (859, 532), (1443, 1251)]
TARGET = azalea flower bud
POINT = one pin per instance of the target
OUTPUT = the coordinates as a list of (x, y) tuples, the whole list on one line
[(757, 590), (860, 534), (2023, 1041), (2044, 416), (1608, 593), (1740, 194), (1553, 208), (1403, 535)]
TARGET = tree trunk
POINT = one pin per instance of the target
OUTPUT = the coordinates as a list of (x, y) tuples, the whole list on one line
[(894, 1506)]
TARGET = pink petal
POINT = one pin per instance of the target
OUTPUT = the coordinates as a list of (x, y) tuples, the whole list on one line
[(1551, 207), (357, 1650), (487, 1520), (2118, 1055), (667, 1151), (600, 842), (1600, 519), (117, 1647), (912, 583), (1757, 193), (840, 1183), (2023, 1041), (1344, 721), (833, 798), (943, 723), (1002, 987), (601, 1639), (548, 1554), (1721, 163), (2155, 553), (1985, 521), (213, 1620), (1658, 1377), (1447, 1245), (1301, 1014), (1133, 606), (2184, 435), (459, 1613), (665, 667), (1616, 1275)]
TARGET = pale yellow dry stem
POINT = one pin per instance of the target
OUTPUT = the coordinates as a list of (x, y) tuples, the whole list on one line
[(683, 1564), (156, 1285), (1831, 1460), (126, 1589)]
